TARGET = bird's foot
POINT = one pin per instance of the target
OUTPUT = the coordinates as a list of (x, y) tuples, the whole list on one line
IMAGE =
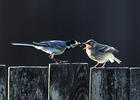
[(56, 62), (63, 61), (101, 67), (94, 67)]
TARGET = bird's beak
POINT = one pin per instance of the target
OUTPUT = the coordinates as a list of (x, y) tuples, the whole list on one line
[(85, 46)]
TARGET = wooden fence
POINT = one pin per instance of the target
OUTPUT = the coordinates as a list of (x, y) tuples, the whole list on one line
[(70, 81)]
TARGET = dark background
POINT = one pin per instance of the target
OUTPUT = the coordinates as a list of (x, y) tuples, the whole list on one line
[(113, 22)]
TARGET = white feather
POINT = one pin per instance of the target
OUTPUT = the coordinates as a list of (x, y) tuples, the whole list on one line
[(112, 58)]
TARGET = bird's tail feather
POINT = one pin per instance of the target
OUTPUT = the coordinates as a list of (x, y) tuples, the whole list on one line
[(115, 59), (23, 44)]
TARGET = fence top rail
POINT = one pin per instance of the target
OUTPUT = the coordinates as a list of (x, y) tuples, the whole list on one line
[(68, 64), (134, 68), (2, 65), (28, 67), (110, 68), (50, 64)]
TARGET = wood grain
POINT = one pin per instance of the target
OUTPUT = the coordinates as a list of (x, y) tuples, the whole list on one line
[(69, 81), (135, 83), (28, 83), (3, 82), (109, 84)]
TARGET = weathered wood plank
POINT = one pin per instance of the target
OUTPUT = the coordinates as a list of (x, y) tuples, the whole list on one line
[(3, 82), (135, 83), (69, 81), (109, 84), (28, 83)]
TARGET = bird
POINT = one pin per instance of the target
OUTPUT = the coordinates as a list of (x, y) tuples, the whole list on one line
[(101, 53), (52, 47)]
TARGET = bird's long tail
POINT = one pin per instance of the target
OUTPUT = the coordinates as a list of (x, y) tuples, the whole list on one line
[(115, 59), (23, 44)]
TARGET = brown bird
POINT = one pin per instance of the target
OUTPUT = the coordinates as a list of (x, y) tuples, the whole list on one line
[(100, 53)]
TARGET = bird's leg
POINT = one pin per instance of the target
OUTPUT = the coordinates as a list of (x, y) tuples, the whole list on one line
[(103, 65), (56, 60), (52, 57), (95, 65)]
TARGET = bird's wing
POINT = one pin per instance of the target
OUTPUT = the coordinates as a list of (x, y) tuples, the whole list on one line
[(105, 48), (53, 43)]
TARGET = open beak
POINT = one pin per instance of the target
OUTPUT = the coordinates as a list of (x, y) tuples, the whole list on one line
[(85, 46)]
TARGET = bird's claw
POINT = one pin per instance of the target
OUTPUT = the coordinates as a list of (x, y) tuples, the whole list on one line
[(101, 67), (94, 67), (63, 61)]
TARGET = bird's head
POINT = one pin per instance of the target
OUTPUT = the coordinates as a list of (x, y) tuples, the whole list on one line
[(72, 43), (89, 44)]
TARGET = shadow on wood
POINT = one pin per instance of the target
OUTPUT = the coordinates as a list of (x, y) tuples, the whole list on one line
[(28, 83), (69, 81), (109, 84)]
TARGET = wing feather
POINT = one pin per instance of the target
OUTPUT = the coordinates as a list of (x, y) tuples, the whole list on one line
[(53, 43), (105, 48)]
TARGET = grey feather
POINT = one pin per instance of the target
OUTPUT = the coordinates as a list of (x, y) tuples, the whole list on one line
[(105, 48), (53, 43)]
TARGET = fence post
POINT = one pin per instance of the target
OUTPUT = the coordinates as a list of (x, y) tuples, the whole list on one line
[(3, 82), (28, 83), (69, 81), (135, 83), (109, 83)]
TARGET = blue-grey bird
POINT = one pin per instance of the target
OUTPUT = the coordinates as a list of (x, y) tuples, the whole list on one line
[(100, 53), (52, 47)]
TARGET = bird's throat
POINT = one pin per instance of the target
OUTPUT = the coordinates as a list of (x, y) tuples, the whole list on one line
[(87, 46)]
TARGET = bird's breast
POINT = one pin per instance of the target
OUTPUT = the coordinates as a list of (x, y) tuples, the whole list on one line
[(96, 56), (89, 53)]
